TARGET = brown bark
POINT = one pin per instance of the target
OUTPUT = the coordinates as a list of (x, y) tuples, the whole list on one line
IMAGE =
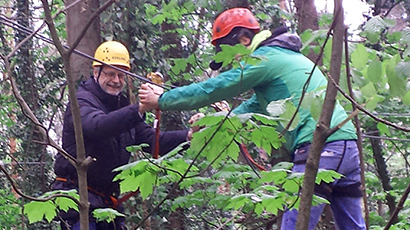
[(77, 14), (82, 162), (236, 3), (326, 220), (322, 130), (306, 16), (172, 120), (382, 172), (359, 135)]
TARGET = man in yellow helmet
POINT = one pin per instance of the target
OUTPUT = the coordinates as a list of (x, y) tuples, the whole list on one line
[(110, 124)]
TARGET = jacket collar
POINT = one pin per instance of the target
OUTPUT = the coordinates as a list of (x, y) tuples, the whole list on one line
[(285, 40)]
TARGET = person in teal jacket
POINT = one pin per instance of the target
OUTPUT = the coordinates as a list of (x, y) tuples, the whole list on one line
[(281, 74)]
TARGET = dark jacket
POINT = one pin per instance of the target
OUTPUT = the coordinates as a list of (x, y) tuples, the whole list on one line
[(110, 124)]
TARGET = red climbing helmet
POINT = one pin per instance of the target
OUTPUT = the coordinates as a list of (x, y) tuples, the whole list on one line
[(229, 19)]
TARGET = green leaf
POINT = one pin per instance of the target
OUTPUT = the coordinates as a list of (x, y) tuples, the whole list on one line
[(160, 18), (278, 176), (36, 211), (273, 204), (374, 71), (291, 186), (146, 183), (376, 24), (283, 165), (179, 66), (266, 120), (372, 102), (327, 176), (106, 214), (406, 35), (403, 70), (369, 90), (406, 98), (64, 204), (140, 175), (258, 209), (384, 129), (277, 108), (266, 137), (316, 200), (210, 120), (229, 53), (284, 109), (316, 108), (397, 84), (186, 183), (137, 148), (359, 57)]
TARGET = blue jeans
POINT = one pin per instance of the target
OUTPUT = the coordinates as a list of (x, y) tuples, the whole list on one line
[(99, 226), (92, 226), (343, 194)]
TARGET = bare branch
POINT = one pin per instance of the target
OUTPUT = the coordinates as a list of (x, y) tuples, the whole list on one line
[(30, 115), (361, 108), (88, 24), (18, 191)]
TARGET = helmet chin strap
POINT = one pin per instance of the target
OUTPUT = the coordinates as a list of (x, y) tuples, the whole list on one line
[(99, 74)]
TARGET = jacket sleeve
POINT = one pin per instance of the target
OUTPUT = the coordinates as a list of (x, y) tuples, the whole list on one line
[(225, 86), (168, 139), (252, 105), (98, 124)]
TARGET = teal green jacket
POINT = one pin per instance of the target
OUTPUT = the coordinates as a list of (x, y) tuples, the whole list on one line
[(280, 75)]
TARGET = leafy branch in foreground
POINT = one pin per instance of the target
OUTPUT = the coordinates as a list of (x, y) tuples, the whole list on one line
[(211, 175)]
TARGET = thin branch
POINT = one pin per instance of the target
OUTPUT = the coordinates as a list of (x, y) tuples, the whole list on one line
[(18, 191), (88, 24), (358, 132), (340, 125), (391, 8), (305, 86), (134, 76), (229, 220), (30, 115), (361, 108), (399, 207)]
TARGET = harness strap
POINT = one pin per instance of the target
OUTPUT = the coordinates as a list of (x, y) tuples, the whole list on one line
[(248, 156), (112, 198)]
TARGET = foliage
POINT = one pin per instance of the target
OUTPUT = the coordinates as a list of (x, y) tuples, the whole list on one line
[(211, 162), (37, 210), (10, 209), (215, 185), (106, 214)]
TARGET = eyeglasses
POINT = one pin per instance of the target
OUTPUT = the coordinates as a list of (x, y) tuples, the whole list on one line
[(113, 74)]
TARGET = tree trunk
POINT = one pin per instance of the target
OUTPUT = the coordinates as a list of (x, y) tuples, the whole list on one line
[(321, 132), (381, 168), (172, 120), (26, 81), (306, 15), (76, 16), (236, 3)]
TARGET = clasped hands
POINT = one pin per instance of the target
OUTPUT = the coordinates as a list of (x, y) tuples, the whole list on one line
[(149, 95)]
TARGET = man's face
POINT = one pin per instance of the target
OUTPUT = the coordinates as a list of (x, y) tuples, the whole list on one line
[(111, 81)]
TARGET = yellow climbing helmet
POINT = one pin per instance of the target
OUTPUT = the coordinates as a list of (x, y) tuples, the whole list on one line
[(113, 53)]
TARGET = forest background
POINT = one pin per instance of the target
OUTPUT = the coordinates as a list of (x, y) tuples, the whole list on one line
[(40, 70)]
